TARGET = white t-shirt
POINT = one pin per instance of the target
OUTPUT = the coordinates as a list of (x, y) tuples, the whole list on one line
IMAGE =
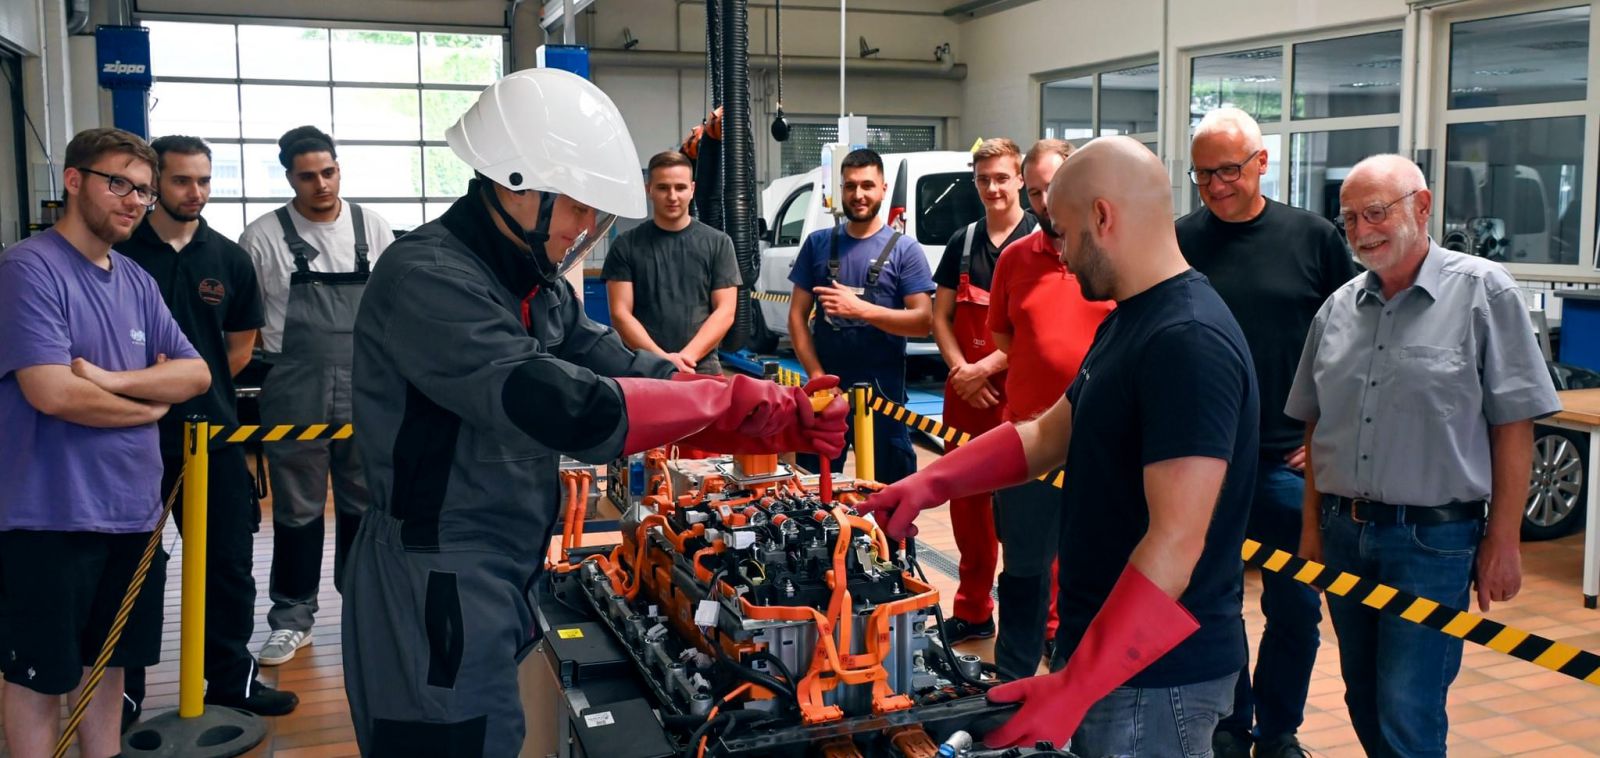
[(335, 240)]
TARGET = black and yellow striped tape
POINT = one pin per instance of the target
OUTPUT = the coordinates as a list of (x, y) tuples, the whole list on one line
[(285, 432), (771, 297), (949, 434), (1541, 651)]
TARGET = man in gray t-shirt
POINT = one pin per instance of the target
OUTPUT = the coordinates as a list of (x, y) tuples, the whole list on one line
[(672, 281)]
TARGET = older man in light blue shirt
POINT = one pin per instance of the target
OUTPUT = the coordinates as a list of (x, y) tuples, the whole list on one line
[(1419, 384)]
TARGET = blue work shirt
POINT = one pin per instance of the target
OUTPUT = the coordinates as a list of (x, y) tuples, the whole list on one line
[(905, 273)]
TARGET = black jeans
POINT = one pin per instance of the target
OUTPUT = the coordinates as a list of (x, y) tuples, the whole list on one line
[(232, 518)]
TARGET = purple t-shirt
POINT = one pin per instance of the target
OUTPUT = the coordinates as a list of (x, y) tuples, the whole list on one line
[(55, 306)]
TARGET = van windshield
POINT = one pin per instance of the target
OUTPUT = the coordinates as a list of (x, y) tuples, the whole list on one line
[(945, 203)]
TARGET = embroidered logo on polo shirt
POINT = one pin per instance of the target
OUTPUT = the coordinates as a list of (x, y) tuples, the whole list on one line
[(137, 335), (212, 291)]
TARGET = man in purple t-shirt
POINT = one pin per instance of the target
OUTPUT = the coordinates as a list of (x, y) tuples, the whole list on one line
[(90, 358)]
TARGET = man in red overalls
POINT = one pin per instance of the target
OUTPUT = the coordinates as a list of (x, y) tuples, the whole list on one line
[(974, 397)]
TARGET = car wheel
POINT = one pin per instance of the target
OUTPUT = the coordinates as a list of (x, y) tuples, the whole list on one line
[(1559, 490), (762, 339)]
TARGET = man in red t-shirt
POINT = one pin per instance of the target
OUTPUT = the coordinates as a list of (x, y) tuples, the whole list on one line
[(1044, 325)]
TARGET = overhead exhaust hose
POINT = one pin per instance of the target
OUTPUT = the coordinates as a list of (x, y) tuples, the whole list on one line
[(738, 159), (708, 157)]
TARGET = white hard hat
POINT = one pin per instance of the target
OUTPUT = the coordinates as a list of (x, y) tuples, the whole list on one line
[(555, 132)]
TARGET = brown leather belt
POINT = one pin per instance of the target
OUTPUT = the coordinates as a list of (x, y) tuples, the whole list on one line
[(1364, 511)]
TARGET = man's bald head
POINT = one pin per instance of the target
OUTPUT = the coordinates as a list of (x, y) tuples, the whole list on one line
[(1119, 170), (1112, 204), (1392, 188)]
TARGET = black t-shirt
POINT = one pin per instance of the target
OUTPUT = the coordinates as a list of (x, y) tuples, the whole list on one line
[(1274, 271), (1168, 377), (984, 254), (211, 289), (673, 274)]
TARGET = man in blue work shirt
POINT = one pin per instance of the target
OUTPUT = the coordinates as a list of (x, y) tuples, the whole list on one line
[(870, 286)]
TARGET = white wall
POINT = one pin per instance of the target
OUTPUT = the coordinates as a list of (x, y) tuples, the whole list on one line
[(1007, 52), (412, 12)]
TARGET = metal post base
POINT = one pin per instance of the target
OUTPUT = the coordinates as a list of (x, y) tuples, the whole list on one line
[(1590, 601), (219, 732)]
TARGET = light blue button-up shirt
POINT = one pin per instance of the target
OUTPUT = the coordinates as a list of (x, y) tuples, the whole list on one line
[(1403, 391)]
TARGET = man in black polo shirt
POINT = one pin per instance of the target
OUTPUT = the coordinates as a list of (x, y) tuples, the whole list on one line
[(210, 286), (1274, 266), (1159, 435)]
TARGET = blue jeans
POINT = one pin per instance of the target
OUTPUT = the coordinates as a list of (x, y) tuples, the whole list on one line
[(1276, 698), (1397, 673), (1158, 722)]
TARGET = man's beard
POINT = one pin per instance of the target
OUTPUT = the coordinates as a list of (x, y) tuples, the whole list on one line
[(104, 229), (849, 213), (1093, 272), (179, 216)]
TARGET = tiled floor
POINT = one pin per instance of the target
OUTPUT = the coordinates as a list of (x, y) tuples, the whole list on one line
[(1498, 706)]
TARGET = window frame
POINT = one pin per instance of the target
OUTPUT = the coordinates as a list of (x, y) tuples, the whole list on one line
[(431, 206), (1440, 117), (1095, 72)]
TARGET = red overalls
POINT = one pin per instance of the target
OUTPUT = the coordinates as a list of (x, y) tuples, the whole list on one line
[(972, 518)]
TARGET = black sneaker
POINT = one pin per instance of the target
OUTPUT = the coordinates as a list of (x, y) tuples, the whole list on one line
[(958, 629), (262, 701), (1230, 745), (1285, 746)]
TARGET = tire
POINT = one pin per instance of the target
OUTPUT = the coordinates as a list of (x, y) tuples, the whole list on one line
[(1559, 491), (762, 340)]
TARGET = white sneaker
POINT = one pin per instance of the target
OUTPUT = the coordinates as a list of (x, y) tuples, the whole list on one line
[(281, 646)]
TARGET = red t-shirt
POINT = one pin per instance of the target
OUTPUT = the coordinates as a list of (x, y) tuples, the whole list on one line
[(1037, 302)]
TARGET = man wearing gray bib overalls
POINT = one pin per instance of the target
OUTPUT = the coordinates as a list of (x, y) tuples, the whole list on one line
[(312, 260)]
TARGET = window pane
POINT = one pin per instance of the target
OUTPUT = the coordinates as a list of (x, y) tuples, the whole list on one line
[(945, 203), (441, 108), (380, 172), (225, 218), (461, 58), (364, 113), (446, 175), (1248, 80), (431, 211), (1065, 109), (370, 56), (1128, 100), (283, 52), (253, 211), (226, 178), (272, 109), (1349, 76), (1320, 161), (402, 217), (199, 110), (1515, 60), (191, 49), (263, 175), (1513, 189)]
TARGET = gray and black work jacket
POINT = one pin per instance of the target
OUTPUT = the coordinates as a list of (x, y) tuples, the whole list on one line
[(471, 381)]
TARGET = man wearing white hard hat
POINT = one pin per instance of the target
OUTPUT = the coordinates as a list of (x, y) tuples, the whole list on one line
[(475, 370)]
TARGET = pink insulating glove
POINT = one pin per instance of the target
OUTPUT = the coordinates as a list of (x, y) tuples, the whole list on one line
[(1136, 626), (991, 461), (733, 415)]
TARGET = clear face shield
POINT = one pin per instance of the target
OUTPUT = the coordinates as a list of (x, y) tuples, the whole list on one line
[(574, 231)]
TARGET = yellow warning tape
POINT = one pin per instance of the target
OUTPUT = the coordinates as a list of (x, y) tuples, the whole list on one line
[(233, 435), (1540, 651), (771, 297)]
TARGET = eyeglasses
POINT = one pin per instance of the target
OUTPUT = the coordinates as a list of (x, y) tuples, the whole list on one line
[(1229, 173), (120, 186), (1373, 215)]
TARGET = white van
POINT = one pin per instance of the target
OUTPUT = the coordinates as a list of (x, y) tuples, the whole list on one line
[(930, 195)]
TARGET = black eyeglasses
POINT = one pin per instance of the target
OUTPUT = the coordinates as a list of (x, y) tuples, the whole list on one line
[(1373, 215), (120, 186), (1229, 173)]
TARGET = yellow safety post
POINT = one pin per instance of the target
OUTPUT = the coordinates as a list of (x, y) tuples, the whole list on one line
[(192, 631), (860, 396)]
